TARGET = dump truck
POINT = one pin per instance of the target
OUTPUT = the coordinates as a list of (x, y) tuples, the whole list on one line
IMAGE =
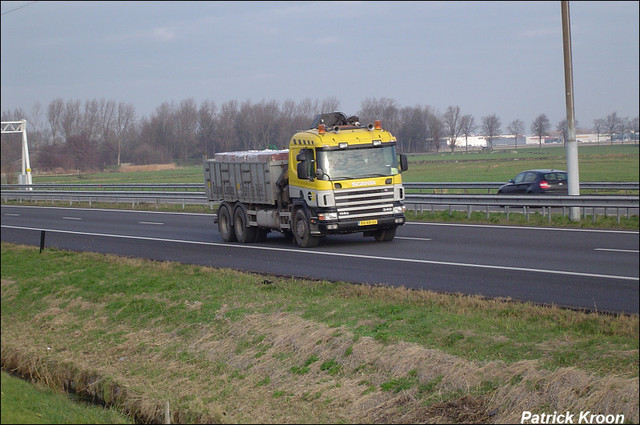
[(336, 177)]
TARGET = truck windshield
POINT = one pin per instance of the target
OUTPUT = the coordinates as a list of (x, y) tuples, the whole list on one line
[(357, 163)]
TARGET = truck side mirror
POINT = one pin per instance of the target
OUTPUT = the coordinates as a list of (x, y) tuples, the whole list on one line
[(404, 164)]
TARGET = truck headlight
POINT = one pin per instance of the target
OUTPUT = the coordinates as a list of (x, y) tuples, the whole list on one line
[(328, 216), (400, 209)]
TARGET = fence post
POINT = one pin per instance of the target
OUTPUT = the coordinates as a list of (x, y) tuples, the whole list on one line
[(41, 241)]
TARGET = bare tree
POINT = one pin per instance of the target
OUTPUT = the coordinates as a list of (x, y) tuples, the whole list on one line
[(54, 118), (36, 132), (206, 127), (490, 129), (186, 127), (330, 104), (160, 133), (71, 120), (516, 127), (612, 125), (383, 109), (634, 128), (435, 131), (226, 135), (453, 125), (598, 126), (124, 120), (90, 119), (563, 127), (310, 107), (468, 125), (625, 128), (412, 133), (540, 127)]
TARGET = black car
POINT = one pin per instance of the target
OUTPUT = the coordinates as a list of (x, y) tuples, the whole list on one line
[(537, 181)]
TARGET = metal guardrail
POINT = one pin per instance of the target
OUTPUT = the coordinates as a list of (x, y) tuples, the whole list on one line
[(193, 194), (112, 196), (495, 185), (107, 186), (634, 186), (557, 201)]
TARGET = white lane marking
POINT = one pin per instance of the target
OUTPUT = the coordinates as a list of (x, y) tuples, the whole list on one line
[(212, 215), (413, 239), (110, 210), (338, 254), (151, 222), (71, 218), (633, 251), (13, 215), (506, 227)]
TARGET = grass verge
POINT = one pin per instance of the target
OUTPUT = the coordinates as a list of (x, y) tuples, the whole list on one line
[(23, 403), (222, 346)]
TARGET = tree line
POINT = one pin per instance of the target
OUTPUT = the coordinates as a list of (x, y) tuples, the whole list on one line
[(103, 134)]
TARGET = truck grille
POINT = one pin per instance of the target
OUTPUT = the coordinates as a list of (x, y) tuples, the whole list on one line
[(362, 203)]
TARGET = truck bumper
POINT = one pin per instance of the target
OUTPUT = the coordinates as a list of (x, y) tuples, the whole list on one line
[(353, 226)]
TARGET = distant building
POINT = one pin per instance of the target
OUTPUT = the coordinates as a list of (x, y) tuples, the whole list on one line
[(553, 138)]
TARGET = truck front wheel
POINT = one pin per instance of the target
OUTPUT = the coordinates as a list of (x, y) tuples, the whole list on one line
[(385, 235), (244, 233), (224, 224), (302, 231)]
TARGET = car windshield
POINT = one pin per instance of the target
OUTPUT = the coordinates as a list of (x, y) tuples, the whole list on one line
[(357, 163)]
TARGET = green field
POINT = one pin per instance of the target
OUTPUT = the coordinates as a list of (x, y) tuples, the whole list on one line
[(597, 163), (222, 346)]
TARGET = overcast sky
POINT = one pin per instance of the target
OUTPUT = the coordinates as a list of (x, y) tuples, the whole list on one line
[(502, 58)]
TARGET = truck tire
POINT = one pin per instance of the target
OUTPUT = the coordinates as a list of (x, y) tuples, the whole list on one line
[(385, 235), (244, 232), (302, 231), (225, 226)]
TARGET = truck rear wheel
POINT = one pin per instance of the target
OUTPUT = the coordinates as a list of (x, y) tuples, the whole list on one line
[(225, 226), (302, 231), (244, 233), (385, 235)]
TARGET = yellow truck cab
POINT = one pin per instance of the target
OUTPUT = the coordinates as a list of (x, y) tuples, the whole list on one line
[(346, 177), (336, 177)]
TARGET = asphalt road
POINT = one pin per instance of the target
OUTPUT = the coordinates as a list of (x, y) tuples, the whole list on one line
[(577, 268)]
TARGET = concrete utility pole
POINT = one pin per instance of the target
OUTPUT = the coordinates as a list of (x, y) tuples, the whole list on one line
[(572, 145)]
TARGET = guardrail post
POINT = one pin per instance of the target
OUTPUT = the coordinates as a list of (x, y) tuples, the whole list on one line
[(41, 241)]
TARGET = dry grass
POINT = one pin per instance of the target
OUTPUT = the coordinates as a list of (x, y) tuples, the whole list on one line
[(228, 384), (280, 367)]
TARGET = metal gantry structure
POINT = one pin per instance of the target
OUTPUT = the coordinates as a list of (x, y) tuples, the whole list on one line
[(14, 127)]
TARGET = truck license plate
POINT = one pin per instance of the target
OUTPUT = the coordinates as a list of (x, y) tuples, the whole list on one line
[(367, 222)]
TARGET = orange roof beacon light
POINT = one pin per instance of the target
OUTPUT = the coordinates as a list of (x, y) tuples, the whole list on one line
[(378, 124), (321, 128)]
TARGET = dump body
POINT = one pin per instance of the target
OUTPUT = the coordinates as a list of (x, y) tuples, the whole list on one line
[(247, 176)]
